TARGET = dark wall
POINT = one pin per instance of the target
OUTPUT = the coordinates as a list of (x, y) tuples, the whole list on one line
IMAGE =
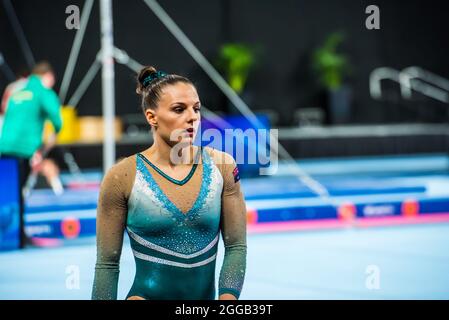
[(412, 33)]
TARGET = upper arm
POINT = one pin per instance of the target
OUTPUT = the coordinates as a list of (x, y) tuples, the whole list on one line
[(111, 214), (233, 217), (51, 105)]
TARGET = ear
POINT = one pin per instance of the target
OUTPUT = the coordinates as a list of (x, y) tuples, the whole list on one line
[(151, 117)]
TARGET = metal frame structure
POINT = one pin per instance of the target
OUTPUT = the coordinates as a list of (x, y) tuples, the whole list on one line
[(409, 79), (105, 60)]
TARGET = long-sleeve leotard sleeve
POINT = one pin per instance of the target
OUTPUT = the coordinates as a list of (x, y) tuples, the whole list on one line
[(111, 221), (233, 229)]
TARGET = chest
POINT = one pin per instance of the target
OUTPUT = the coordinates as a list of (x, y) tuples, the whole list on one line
[(159, 209)]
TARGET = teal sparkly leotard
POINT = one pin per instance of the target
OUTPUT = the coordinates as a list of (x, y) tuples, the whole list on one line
[(174, 228)]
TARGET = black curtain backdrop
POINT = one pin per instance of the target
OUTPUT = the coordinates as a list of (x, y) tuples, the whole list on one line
[(413, 32)]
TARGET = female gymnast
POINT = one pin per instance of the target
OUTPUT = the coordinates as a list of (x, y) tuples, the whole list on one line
[(173, 211)]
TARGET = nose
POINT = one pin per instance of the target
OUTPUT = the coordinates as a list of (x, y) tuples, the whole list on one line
[(193, 116)]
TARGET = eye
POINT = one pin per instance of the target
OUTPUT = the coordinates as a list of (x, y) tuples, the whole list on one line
[(178, 110), (197, 109)]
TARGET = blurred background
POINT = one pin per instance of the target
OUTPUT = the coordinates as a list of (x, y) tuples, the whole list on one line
[(361, 113)]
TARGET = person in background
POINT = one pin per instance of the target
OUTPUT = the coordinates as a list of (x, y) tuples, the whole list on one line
[(28, 105)]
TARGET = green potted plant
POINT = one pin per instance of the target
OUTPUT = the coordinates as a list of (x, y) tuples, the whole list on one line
[(332, 67), (236, 60)]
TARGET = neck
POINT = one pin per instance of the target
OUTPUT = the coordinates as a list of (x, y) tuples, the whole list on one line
[(161, 153)]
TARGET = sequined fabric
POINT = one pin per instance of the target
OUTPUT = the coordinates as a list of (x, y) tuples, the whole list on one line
[(174, 230)]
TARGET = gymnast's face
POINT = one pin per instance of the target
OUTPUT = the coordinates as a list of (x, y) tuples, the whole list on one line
[(177, 116)]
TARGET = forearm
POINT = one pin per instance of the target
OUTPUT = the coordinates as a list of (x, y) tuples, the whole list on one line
[(48, 145), (106, 281), (232, 274)]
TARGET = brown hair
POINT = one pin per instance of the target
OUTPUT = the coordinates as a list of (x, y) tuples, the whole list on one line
[(41, 68), (150, 90)]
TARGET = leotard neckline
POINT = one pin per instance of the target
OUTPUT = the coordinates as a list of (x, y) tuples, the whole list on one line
[(166, 176)]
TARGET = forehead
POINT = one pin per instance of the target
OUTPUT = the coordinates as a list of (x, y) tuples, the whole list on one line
[(179, 92)]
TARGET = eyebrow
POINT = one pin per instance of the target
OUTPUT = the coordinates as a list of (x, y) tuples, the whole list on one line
[(183, 104)]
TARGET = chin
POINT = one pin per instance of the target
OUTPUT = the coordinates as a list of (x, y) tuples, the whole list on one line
[(185, 142)]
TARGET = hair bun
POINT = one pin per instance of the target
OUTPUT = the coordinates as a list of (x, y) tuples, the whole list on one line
[(145, 72)]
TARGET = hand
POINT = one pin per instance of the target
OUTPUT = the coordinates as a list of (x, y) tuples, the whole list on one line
[(36, 161), (38, 156), (227, 296)]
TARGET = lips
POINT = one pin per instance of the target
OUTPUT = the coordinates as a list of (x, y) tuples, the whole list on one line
[(190, 130)]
